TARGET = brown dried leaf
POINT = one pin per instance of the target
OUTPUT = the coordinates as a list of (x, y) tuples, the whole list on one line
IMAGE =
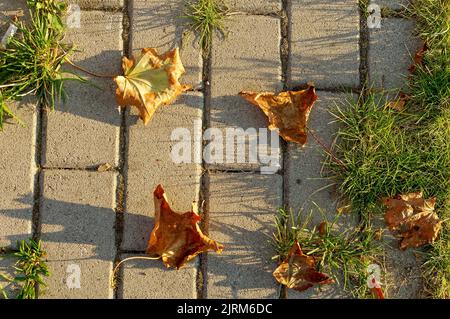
[(418, 58), (298, 271), (150, 82), (399, 103), (287, 111), (176, 237), (414, 217)]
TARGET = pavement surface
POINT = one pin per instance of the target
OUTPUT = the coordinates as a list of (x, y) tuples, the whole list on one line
[(89, 220)]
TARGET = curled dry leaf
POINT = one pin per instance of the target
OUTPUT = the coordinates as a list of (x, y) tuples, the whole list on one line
[(176, 238), (414, 217), (298, 271), (287, 111), (150, 82)]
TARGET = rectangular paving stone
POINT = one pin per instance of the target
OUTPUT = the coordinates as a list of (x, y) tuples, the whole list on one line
[(8, 10), (150, 279), (324, 43), (391, 49), (255, 6), (307, 183), (17, 169), (247, 60), (7, 269), (392, 4), (241, 217), (78, 217), (97, 4), (150, 162), (90, 113), (159, 24)]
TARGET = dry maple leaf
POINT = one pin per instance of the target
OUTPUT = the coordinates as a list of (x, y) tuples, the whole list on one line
[(150, 82), (287, 111), (176, 238), (414, 217), (298, 271)]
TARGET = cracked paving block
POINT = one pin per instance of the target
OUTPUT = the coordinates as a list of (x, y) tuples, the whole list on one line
[(150, 279), (78, 217), (241, 217), (90, 112), (159, 24), (324, 43), (247, 60), (391, 52), (154, 158)]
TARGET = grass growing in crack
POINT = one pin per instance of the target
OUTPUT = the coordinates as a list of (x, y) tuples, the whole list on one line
[(30, 269), (32, 60), (205, 17), (345, 255), (386, 152)]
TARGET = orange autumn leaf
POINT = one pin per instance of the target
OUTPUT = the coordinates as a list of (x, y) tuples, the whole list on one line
[(414, 218), (150, 82), (287, 111), (176, 238), (298, 271)]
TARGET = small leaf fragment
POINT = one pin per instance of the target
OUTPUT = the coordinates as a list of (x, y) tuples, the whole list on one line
[(288, 111), (176, 238), (298, 271)]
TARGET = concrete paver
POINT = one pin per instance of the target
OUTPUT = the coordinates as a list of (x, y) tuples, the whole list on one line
[(247, 60), (89, 111), (324, 43), (17, 171), (159, 24), (150, 164), (7, 270), (255, 6), (390, 55), (392, 4), (149, 279), (241, 215), (78, 217)]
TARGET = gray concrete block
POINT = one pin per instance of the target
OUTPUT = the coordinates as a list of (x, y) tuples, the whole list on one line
[(392, 4), (90, 113), (324, 43), (149, 279), (17, 168), (97, 4), (159, 24), (78, 217), (8, 10), (247, 60), (241, 217), (308, 184), (255, 6), (150, 163), (8, 288), (391, 52)]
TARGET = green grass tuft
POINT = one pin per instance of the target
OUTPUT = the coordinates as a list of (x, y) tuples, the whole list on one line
[(205, 17), (32, 60), (345, 254)]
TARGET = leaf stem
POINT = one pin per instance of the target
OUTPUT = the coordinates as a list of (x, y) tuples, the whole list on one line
[(87, 71), (327, 150), (127, 259)]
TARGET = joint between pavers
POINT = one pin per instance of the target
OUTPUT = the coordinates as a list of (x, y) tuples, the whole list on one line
[(363, 52), (120, 199)]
